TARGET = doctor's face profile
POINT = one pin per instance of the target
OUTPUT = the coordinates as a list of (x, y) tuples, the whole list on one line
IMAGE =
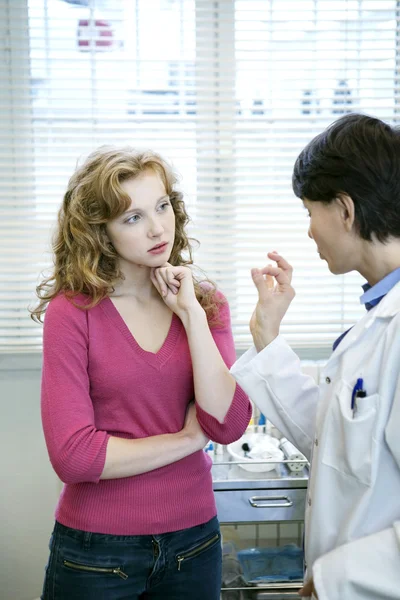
[(144, 234), (331, 228)]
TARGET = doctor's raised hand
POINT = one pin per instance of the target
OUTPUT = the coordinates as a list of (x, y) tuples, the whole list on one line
[(275, 294)]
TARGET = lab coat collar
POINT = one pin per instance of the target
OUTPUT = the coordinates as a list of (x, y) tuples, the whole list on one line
[(388, 307)]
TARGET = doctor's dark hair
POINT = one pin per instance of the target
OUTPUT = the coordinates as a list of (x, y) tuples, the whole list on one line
[(359, 156)]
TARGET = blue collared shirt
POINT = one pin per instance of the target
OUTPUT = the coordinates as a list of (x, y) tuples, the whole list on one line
[(373, 295)]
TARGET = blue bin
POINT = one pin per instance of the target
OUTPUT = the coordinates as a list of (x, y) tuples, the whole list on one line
[(273, 565)]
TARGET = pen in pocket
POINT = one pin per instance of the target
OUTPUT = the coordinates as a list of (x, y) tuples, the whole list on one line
[(358, 392)]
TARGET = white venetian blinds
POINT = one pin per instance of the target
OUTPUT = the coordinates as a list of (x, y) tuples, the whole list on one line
[(229, 91)]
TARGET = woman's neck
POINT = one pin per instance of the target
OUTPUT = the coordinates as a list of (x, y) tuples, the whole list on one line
[(136, 283)]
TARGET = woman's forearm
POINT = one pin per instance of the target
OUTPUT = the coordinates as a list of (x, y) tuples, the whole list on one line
[(127, 457), (214, 386)]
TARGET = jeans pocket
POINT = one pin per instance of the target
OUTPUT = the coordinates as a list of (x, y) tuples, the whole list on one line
[(197, 549), (85, 568)]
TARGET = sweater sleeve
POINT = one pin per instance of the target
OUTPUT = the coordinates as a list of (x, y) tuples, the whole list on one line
[(240, 410), (77, 450)]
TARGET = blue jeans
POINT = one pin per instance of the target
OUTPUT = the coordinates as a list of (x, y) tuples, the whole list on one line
[(170, 566)]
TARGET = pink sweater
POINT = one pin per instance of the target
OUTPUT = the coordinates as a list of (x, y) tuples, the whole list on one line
[(97, 382)]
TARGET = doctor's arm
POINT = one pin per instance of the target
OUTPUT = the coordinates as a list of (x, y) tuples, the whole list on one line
[(270, 373), (370, 566)]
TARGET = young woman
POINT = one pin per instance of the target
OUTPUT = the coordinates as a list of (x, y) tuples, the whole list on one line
[(135, 380)]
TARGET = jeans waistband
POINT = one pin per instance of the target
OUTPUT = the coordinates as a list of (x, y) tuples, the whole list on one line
[(88, 536)]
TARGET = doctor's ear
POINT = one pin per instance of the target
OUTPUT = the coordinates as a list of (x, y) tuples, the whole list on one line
[(347, 210)]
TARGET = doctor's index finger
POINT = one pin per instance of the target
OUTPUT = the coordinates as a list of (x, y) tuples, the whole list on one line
[(277, 272), (282, 278), (281, 262)]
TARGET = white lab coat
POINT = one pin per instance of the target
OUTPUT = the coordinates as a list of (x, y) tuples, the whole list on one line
[(352, 520)]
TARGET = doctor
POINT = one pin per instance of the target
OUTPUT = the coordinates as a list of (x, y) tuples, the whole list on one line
[(348, 178)]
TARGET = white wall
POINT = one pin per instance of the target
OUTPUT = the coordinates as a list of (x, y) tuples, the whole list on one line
[(29, 487)]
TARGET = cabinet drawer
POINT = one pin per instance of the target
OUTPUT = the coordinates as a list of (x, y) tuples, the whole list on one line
[(258, 505)]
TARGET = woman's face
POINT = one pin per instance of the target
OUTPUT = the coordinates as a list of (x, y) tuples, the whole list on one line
[(144, 234)]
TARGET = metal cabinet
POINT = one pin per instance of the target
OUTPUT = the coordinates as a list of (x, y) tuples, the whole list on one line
[(261, 516)]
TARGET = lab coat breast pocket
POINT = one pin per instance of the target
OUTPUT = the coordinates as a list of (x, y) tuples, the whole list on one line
[(350, 439)]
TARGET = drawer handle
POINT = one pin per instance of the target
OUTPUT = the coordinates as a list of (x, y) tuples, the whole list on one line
[(264, 501)]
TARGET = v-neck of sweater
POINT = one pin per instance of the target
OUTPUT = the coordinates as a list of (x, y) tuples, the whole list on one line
[(157, 359)]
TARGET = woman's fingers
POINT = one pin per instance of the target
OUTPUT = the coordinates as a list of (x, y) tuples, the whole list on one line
[(166, 280), (154, 281), (171, 279), (161, 285)]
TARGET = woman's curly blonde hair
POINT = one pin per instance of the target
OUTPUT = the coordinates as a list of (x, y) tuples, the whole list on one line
[(85, 261)]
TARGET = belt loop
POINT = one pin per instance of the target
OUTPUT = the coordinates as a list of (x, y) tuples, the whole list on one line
[(87, 537)]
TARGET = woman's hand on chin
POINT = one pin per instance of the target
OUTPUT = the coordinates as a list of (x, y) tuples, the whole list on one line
[(175, 286)]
